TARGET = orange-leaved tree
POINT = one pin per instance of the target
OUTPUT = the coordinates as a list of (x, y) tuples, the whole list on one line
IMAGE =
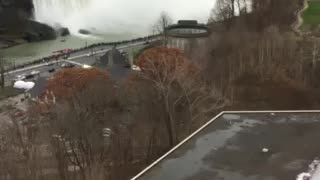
[(76, 111), (67, 82)]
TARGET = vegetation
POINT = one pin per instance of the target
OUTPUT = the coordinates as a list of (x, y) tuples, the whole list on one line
[(160, 27), (95, 128), (67, 82), (312, 15), (263, 65), (106, 129)]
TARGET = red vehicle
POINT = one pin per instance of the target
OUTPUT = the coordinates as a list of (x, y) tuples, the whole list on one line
[(62, 52)]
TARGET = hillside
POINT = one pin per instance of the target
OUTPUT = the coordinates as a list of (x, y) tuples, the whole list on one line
[(311, 17)]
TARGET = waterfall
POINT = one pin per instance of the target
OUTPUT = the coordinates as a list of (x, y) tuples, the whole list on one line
[(116, 16), (59, 13)]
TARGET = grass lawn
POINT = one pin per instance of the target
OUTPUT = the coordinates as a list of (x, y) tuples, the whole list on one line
[(312, 15), (9, 92)]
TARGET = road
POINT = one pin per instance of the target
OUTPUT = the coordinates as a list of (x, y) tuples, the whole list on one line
[(83, 57)]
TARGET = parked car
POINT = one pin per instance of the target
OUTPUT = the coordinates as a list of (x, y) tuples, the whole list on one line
[(51, 70), (90, 54), (50, 64), (35, 72), (67, 65), (29, 76), (20, 77)]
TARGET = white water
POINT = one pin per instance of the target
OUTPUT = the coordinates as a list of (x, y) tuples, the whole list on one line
[(117, 16)]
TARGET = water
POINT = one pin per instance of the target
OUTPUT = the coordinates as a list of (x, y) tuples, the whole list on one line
[(30, 51), (108, 20), (118, 16)]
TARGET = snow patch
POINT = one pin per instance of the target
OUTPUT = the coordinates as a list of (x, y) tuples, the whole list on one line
[(313, 172), (23, 85)]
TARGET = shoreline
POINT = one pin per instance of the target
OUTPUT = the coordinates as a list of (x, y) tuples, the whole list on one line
[(6, 43)]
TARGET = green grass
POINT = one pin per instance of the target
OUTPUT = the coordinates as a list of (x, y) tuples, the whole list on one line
[(9, 92), (312, 15)]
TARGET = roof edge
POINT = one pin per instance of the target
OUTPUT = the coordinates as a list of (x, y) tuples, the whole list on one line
[(206, 125)]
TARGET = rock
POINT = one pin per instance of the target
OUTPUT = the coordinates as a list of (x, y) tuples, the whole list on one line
[(36, 31), (63, 32), (31, 37), (16, 24), (84, 31)]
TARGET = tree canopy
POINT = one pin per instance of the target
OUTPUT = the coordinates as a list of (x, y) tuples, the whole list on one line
[(67, 82)]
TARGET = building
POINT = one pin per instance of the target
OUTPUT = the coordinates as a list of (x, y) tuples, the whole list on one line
[(116, 63), (187, 34), (263, 145)]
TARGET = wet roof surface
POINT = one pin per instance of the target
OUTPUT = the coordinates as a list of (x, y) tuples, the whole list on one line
[(231, 148)]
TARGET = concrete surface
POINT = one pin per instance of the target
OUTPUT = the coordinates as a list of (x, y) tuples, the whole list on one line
[(231, 147)]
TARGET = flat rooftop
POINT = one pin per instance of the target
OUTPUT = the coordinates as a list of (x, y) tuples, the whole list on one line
[(231, 148)]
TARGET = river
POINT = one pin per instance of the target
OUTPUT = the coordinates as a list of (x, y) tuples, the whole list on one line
[(30, 51), (116, 19)]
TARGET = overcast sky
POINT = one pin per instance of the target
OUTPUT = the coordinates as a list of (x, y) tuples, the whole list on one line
[(178, 9), (119, 15)]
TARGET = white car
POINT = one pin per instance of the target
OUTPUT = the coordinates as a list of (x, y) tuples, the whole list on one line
[(20, 77), (63, 65), (49, 64), (90, 54), (35, 72)]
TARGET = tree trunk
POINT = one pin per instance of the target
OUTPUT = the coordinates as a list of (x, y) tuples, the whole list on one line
[(170, 124), (2, 71), (233, 8), (2, 78)]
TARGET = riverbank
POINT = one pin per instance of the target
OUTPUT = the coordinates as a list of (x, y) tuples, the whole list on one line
[(6, 42)]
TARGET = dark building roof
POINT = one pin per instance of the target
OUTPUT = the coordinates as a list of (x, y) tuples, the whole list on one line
[(116, 58), (188, 22), (246, 146), (178, 30), (115, 63)]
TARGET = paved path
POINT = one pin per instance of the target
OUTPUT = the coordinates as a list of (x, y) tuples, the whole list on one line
[(299, 22)]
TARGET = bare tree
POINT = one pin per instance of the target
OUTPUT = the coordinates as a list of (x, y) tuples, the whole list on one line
[(228, 9), (91, 133), (182, 91), (160, 27), (2, 71), (224, 10)]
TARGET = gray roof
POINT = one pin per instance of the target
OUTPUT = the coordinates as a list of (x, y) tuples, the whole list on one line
[(230, 148), (113, 57)]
